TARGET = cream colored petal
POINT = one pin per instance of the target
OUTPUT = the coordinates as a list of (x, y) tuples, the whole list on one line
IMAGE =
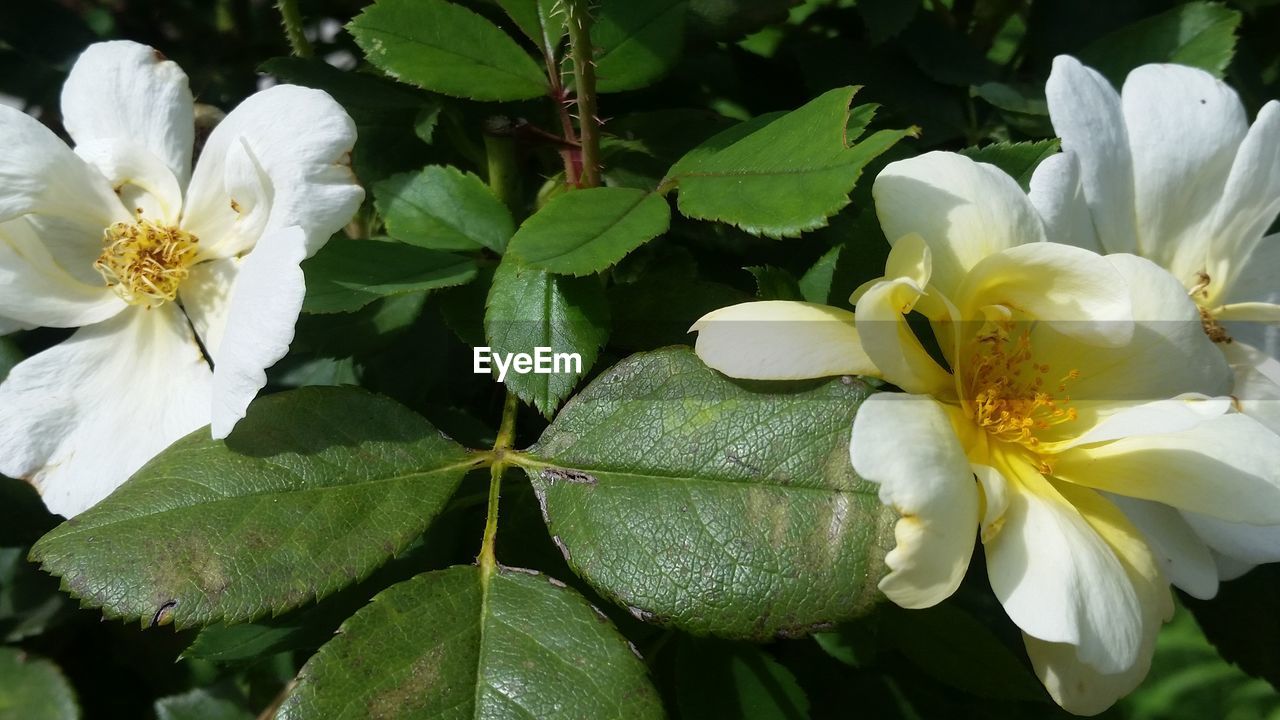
[(1086, 114), (781, 340), (78, 419), (1077, 291), (123, 91), (1184, 129), (1168, 356), (964, 210), (931, 487), (1179, 414), (1059, 579), (1227, 467), (1183, 555), (1246, 544), (892, 345), (1077, 685)]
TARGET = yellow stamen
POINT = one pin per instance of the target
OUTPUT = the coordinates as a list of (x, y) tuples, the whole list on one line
[(1009, 397), (145, 263), (1213, 328)]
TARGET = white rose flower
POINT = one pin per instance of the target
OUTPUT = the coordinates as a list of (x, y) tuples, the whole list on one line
[(1063, 381), (185, 285), (1171, 170)]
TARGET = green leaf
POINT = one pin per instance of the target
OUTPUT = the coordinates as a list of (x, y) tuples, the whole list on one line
[(529, 308), (586, 231), (540, 20), (887, 18), (1242, 622), (779, 174), (453, 643), (33, 689), (443, 208), (731, 19), (29, 599), (448, 49), (718, 507), (815, 284), (10, 355), (347, 275), (637, 42), (23, 517), (774, 283), (315, 489), (1199, 34), (202, 704), (1190, 680), (1018, 160), (735, 680), (947, 643), (854, 643)]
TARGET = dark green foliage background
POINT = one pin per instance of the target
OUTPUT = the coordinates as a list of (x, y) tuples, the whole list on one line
[(965, 73)]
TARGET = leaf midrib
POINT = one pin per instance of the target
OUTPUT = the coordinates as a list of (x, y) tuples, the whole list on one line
[(80, 528)]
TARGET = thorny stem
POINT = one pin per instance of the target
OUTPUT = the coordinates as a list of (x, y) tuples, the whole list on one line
[(292, 19), (584, 73), (506, 438)]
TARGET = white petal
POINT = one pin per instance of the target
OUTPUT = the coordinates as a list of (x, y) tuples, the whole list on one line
[(144, 183), (78, 419), (1079, 292), (1059, 580), (261, 312), (123, 91), (780, 340), (1184, 412), (1185, 558), (287, 149), (41, 175), (1184, 128), (36, 291), (892, 345), (1256, 282), (1249, 205), (931, 487), (1229, 568), (964, 210), (1247, 544), (1086, 114), (1057, 191), (1074, 683), (1257, 383), (1227, 467), (8, 326), (206, 295), (1168, 356)]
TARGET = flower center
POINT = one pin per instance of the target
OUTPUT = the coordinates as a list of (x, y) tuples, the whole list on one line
[(144, 263), (1011, 395)]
